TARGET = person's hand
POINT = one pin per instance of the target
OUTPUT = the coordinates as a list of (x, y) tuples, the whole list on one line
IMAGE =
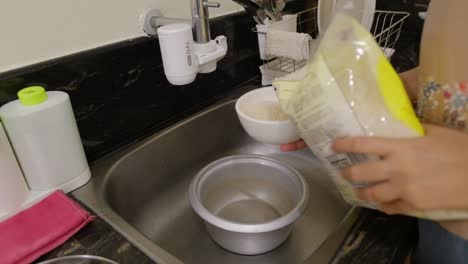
[(424, 173), (300, 144)]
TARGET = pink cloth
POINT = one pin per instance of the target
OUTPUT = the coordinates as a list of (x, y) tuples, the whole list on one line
[(40, 228)]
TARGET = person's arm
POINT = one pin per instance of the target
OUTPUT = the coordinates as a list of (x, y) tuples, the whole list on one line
[(410, 80)]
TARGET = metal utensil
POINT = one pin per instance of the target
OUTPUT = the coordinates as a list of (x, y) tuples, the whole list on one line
[(249, 202), (261, 15), (280, 4), (276, 9), (254, 9), (269, 10)]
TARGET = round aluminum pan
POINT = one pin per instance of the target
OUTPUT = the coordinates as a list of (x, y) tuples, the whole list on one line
[(249, 202), (79, 259)]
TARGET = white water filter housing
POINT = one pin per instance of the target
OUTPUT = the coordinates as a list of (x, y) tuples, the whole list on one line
[(179, 61)]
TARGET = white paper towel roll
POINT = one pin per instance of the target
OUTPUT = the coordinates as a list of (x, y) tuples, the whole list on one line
[(13, 188), (46, 140)]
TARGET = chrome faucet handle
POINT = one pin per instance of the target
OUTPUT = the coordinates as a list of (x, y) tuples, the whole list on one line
[(211, 4)]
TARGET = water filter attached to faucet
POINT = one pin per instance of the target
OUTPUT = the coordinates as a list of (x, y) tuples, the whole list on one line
[(176, 43), (186, 45), (182, 58)]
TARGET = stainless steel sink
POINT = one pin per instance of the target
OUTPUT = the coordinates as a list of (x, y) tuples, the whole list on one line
[(142, 192)]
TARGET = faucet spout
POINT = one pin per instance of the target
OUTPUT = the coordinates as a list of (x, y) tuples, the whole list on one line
[(201, 20)]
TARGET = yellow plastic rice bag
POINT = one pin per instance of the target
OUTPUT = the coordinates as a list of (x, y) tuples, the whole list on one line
[(350, 89)]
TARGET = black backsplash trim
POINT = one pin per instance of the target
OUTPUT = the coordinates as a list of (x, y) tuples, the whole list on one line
[(119, 92), (69, 58)]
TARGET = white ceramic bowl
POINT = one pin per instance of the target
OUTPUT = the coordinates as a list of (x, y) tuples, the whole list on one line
[(270, 132)]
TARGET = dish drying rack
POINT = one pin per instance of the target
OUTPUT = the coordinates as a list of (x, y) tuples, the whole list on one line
[(386, 29)]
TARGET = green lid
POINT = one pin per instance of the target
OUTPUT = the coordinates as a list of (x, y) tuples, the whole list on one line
[(32, 95)]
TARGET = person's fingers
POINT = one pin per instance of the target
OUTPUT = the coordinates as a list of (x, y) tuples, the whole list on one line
[(288, 147), (378, 193), (368, 145), (300, 144), (372, 171), (396, 207)]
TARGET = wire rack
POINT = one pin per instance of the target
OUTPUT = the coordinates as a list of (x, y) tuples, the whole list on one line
[(386, 29)]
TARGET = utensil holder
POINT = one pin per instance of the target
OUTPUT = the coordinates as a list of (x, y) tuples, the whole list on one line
[(386, 29), (289, 23)]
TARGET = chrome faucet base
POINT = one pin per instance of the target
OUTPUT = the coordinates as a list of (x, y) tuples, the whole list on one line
[(200, 21), (153, 18)]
